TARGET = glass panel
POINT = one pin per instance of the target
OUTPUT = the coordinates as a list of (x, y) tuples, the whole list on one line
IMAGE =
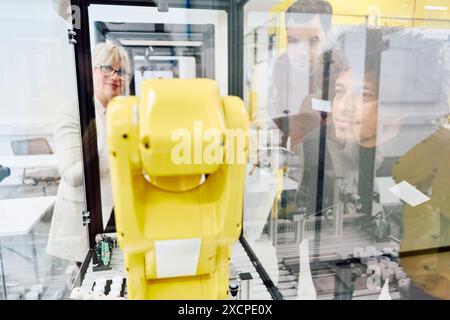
[(41, 178), (129, 45), (345, 193), (182, 43)]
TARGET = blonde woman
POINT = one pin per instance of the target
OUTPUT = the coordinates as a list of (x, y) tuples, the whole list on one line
[(68, 238)]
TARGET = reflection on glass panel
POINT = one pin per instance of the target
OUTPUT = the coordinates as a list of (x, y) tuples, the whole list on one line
[(178, 44), (131, 44), (345, 193), (41, 179)]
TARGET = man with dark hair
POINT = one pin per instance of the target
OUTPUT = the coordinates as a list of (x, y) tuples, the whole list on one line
[(313, 7), (298, 72)]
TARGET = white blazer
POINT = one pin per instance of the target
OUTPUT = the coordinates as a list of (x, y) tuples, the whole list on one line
[(68, 238)]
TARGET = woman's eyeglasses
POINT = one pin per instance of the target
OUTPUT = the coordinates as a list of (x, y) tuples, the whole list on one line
[(109, 71)]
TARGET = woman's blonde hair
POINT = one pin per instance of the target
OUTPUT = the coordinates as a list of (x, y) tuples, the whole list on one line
[(110, 54)]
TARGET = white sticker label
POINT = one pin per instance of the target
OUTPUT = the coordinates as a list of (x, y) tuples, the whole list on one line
[(177, 258), (321, 105), (409, 194)]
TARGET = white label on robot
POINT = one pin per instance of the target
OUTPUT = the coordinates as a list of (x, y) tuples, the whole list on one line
[(321, 105), (185, 252), (409, 194)]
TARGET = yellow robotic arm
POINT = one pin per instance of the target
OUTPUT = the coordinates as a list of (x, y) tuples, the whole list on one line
[(177, 161)]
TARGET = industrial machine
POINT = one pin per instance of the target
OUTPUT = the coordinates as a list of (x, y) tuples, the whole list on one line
[(426, 226), (177, 158)]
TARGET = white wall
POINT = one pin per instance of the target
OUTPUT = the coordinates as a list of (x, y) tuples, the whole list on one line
[(37, 70)]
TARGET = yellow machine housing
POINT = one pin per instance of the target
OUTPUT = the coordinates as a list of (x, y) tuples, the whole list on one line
[(177, 161), (426, 166)]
